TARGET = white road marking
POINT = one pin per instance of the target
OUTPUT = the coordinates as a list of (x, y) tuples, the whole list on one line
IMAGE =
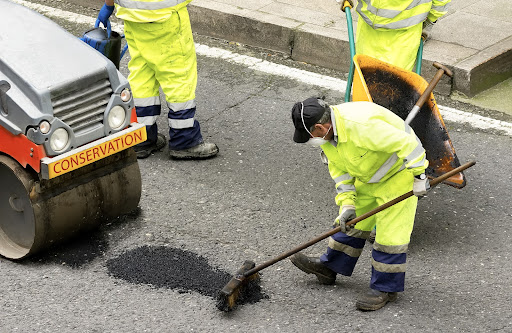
[(323, 81)]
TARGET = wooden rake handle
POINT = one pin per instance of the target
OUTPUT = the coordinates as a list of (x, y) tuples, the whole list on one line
[(441, 70), (354, 221)]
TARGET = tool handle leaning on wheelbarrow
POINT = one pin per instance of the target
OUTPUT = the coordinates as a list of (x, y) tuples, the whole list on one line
[(441, 69), (354, 221)]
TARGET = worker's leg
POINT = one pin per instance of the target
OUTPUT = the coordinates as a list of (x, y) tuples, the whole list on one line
[(397, 47), (175, 61), (176, 70), (344, 250), (394, 225), (145, 88)]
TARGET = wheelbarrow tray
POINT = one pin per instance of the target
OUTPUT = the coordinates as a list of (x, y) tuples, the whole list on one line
[(398, 90)]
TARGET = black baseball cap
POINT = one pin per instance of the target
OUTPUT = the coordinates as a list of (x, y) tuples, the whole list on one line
[(306, 113)]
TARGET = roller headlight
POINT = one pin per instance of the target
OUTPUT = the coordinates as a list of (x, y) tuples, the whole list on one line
[(59, 139), (116, 117), (126, 95)]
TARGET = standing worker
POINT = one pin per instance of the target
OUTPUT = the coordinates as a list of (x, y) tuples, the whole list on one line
[(374, 157), (390, 30), (162, 51)]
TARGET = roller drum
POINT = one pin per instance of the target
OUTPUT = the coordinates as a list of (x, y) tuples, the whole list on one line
[(36, 213)]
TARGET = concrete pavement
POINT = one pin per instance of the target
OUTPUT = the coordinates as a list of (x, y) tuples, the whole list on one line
[(475, 42)]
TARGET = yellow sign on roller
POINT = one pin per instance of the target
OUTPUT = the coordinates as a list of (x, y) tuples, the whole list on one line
[(94, 151)]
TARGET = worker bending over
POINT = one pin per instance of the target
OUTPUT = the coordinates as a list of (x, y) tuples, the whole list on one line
[(373, 157)]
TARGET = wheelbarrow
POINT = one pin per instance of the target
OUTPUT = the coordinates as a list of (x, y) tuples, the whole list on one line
[(398, 90)]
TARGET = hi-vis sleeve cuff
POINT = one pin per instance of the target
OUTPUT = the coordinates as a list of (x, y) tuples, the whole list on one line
[(345, 183), (345, 190), (439, 9)]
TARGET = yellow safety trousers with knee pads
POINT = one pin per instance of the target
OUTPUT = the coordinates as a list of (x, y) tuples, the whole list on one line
[(390, 30)]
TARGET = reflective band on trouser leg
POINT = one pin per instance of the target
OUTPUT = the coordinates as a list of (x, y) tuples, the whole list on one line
[(184, 130), (388, 271), (148, 115), (343, 251)]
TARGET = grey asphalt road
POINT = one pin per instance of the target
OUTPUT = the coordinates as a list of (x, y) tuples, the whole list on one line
[(261, 196)]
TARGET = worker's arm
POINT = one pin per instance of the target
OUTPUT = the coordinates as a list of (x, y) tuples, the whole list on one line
[(105, 13), (345, 189), (439, 9)]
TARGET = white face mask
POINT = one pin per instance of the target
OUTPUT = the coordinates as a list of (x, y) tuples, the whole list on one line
[(317, 141)]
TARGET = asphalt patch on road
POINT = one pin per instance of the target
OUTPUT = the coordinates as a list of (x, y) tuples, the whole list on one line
[(180, 270)]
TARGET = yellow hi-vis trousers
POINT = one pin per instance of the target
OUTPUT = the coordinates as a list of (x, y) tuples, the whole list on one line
[(394, 224), (394, 228), (397, 47), (163, 55)]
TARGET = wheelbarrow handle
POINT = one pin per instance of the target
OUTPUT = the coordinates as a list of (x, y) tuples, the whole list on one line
[(345, 4), (352, 47)]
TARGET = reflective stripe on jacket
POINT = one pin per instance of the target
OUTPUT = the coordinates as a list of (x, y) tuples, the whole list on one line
[(147, 10), (400, 14), (372, 145)]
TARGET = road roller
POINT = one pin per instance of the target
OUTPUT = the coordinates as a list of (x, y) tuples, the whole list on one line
[(67, 128)]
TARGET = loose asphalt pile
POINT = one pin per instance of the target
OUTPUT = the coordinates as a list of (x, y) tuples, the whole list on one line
[(180, 270)]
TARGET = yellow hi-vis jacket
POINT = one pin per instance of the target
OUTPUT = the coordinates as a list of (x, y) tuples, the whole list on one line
[(141, 11), (400, 14), (371, 144)]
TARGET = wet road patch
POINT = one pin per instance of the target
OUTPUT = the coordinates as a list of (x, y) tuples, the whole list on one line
[(180, 270)]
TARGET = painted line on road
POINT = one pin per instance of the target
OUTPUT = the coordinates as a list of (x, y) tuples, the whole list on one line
[(323, 81), (448, 113)]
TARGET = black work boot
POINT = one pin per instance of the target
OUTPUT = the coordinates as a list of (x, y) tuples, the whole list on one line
[(312, 265), (144, 150), (374, 300), (201, 151)]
